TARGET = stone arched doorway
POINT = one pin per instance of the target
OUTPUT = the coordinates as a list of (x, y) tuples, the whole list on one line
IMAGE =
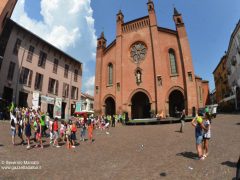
[(110, 106), (140, 106), (176, 102)]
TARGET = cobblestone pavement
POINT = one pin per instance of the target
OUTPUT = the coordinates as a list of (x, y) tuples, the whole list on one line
[(128, 152)]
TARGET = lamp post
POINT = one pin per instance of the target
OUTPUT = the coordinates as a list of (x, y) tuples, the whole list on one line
[(235, 94)]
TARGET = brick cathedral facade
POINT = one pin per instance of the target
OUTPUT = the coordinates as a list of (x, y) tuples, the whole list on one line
[(147, 69)]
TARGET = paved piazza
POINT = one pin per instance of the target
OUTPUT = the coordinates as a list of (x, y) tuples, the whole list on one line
[(128, 152)]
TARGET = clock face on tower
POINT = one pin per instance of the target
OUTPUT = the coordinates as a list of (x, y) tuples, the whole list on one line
[(138, 52)]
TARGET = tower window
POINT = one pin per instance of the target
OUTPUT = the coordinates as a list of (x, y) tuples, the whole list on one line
[(190, 76), (118, 86), (159, 80), (173, 63), (179, 21), (96, 89), (110, 74)]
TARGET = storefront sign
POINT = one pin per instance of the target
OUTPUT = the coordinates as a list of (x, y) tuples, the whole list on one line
[(35, 100), (58, 108), (78, 106), (46, 99)]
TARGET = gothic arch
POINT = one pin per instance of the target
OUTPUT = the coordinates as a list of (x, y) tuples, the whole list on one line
[(175, 101), (139, 90), (109, 105), (107, 96), (172, 89)]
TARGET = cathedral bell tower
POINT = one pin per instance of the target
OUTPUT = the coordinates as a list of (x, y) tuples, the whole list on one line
[(187, 65), (101, 46), (151, 13)]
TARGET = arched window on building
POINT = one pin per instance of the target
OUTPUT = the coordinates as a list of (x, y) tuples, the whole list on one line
[(110, 74), (173, 63)]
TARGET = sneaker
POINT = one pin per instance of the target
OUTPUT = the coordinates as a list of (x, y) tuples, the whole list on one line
[(28, 147), (205, 155), (202, 158), (73, 146), (58, 146)]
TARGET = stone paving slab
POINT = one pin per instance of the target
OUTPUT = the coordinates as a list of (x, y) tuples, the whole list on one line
[(130, 152)]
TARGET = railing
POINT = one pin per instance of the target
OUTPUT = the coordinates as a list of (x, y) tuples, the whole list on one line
[(133, 26)]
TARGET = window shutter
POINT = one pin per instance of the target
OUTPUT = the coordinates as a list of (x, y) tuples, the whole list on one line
[(30, 78), (56, 92), (41, 81), (49, 85)]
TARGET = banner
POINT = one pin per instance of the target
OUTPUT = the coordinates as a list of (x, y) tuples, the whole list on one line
[(46, 99), (35, 100), (58, 108), (78, 106)]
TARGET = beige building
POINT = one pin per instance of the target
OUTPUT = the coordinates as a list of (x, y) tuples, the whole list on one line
[(233, 64), (87, 102), (35, 73)]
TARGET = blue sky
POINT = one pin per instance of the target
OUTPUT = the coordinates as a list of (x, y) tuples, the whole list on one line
[(209, 24)]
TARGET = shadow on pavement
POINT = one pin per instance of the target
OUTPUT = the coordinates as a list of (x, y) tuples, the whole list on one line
[(163, 174), (238, 123), (1, 145), (229, 164), (189, 155), (178, 131)]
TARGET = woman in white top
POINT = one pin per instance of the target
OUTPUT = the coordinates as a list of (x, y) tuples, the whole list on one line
[(207, 134), (13, 123)]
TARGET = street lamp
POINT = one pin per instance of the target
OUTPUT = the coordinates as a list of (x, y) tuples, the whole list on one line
[(234, 87)]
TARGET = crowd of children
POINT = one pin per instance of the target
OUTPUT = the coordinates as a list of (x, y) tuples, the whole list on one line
[(33, 125)]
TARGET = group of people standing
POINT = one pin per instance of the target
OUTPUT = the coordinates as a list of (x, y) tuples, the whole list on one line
[(33, 125), (202, 134)]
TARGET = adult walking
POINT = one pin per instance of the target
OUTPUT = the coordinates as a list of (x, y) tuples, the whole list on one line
[(182, 119)]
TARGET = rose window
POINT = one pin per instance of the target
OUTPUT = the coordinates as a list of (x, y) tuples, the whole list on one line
[(138, 52)]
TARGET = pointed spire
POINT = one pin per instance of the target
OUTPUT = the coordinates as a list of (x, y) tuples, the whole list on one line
[(102, 35), (176, 13), (119, 12)]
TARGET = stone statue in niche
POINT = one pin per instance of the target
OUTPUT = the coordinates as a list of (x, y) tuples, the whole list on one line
[(138, 75)]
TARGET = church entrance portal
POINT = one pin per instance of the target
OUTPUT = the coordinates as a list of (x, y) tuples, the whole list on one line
[(140, 106), (176, 103), (110, 106)]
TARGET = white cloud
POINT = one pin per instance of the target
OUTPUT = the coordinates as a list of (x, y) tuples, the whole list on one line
[(68, 25), (89, 85)]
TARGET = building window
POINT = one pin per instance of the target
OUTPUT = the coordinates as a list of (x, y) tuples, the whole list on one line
[(38, 81), (30, 53), (118, 86), (173, 63), (110, 74), (65, 90), (42, 59), (26, 77), (11, 71), (200, 94), (17, 46), (74, 92), (55, 66), (75, 75), (66, 71), (159, 80), (53, 86), (96, 89), (190, 76)]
